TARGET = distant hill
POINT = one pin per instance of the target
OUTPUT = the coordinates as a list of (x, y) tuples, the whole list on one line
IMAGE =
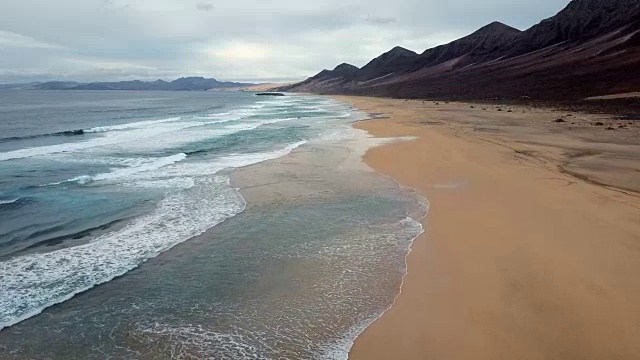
[(18, 86), (590, 48), (55, 85), (182, 84)]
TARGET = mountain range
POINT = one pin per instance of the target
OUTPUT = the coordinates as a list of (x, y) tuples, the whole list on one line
[(590, 48), (181, 84)]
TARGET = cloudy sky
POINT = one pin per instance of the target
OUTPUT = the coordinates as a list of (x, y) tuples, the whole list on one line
[(243, 40)]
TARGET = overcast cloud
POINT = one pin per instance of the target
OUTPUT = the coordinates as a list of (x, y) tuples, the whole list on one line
[(242, 40)]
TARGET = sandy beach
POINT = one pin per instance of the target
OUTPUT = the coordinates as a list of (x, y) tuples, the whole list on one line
[(532, 243)]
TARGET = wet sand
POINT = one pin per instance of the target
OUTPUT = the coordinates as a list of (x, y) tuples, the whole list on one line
[(258, 87), (532, 248)]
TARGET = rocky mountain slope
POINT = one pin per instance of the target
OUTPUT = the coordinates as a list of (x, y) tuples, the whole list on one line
[(390, 62), (590, 48)]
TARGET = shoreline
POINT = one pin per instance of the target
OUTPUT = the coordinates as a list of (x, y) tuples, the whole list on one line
[(314, 279), (528, 276), (353, 145)]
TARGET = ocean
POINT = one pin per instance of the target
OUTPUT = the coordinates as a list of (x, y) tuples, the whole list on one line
[(192, 225)]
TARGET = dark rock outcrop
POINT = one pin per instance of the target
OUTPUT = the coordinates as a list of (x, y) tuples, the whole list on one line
[(270, 94)]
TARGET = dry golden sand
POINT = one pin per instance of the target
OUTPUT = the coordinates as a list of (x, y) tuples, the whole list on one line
[(520, 260)]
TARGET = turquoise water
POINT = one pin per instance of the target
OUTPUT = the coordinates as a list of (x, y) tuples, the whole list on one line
[(251, 232)]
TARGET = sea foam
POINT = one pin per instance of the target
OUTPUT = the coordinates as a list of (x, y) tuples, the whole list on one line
[(10, 201), (129, 171), (134, 125), (166, 133), (34, 282), (31, 283)]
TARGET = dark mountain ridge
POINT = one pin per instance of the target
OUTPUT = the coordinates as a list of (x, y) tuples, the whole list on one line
[(579, 21), (591, 47), (487, 43), (387, 63), (327, 79)]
